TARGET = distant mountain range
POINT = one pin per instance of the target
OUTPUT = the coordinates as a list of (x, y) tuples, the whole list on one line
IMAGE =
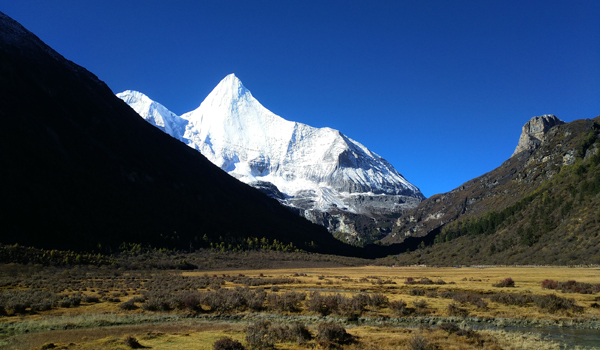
[(315, 170)]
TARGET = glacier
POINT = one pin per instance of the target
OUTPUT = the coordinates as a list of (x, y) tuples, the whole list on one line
[(308, 168)]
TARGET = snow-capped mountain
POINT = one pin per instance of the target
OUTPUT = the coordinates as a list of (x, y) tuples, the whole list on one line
[(302, 166)]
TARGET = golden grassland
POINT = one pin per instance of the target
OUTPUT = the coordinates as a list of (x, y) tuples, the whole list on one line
[(473, 279), (75, 325)]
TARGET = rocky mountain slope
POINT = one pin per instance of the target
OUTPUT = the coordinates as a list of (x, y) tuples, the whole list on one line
[(539, 206), (81, 170), (323, 174)]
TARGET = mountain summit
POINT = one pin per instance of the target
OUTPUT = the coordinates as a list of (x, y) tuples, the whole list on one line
[(304, 167)]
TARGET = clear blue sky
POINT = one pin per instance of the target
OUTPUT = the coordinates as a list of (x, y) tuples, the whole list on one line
[(440, 89)]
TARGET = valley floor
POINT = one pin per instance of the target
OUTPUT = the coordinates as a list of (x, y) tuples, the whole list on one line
[(380, 307)]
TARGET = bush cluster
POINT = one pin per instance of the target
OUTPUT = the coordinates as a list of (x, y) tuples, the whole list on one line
[(264, 334), (35, 300), (418, 342), (470, 298), (330, 334), (289, 301), (399, 308), (516, 299), (449, 327), (228, 344), (344, 306), (548, 303), (417, 292), (132, 342), (553, 303), (571, 286), (424, 280), (220, 300), (507, 282)]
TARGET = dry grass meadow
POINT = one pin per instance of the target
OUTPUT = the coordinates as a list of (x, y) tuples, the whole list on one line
[(380, 307)]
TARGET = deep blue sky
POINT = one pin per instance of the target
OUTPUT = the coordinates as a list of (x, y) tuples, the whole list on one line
[(440, 89)]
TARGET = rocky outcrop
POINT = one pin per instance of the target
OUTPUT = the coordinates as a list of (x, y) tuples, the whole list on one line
[(356, 229), (534, 132)]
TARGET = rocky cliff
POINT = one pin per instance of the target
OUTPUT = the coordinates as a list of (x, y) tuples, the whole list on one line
[(534, 132)]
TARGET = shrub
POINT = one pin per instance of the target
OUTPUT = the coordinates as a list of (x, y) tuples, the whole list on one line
[(511, 298), (256, 300), (399, 308), (507, 282), (70, 301), (446, 294), (549, 284), (469, 333), (455, 310), (90, 299), (324, 304), (192, 302), (417, 292), (378, 300), (131, 342), (128, 305), (449, 327), (289, 301), (553, 303), (156, 304), (228, 344), (353, 307), (431, 293), (331, 334), (41, 305), (139, 299), (571, 286), (259, 337), (470, 298), (420, 304), (418, 342), (299, 333)]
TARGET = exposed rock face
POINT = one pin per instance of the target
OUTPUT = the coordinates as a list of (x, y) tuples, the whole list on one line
[(534, 132)]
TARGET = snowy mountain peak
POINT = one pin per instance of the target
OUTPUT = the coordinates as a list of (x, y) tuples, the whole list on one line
[(310, 168), (228, 91)]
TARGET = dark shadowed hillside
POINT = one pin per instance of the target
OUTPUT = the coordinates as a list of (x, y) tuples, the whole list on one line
[(81, 170)]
